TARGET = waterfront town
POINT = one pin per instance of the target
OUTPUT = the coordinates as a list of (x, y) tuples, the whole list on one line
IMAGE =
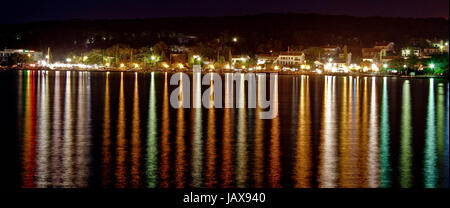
[(303, 43), (429, 57)]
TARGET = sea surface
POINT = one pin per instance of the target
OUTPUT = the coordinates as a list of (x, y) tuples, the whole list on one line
[(118, 129)]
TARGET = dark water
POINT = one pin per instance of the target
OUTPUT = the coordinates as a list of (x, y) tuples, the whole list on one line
[(81, 129)]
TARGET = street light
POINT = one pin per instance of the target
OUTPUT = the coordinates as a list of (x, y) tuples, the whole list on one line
[(385, 66), (197, 57), (235, 39), (68, 60), (432, 67)]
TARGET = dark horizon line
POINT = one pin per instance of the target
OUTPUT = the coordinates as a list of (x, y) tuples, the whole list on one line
[(223, 16)]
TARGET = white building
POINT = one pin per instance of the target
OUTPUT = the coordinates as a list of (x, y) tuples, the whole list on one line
[(290, 58), (239, 59)]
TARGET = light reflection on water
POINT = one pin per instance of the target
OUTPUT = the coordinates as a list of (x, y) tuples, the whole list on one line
[(81, 129)]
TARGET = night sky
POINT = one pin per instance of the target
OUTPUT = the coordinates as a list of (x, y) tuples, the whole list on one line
[(15, 11)]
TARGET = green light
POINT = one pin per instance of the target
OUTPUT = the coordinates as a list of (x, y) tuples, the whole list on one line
[(384, 139), (440, 130), (430, 172)]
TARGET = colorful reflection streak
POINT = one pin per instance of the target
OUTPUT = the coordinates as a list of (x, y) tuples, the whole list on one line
[(328, 144), (406, 134), (258, 161), (430, 172), (241, 149), (227, 152), (373, 149), (83, 130), (440, 135), (136, 138), (29, 132), (180, 162), (106, 143), (384, 138), (274, 156), (303, 164), (197, 142), (445, 180), (210, 176), (121, 142), (43, 134), (56, 161), (68, 137), (152, 143), (165, 138)]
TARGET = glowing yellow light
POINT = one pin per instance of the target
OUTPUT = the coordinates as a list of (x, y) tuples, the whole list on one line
[(29, 55), (197, 57), (136, 65), (308, 67), (165, 65), (227, 66), (68, 59), (276, 67), (107, 64), (235, 39), (180, 66), (211, 66), (122, 65), (85, 58)]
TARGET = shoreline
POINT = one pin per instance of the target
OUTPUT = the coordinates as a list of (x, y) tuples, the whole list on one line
[(220, 71)]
